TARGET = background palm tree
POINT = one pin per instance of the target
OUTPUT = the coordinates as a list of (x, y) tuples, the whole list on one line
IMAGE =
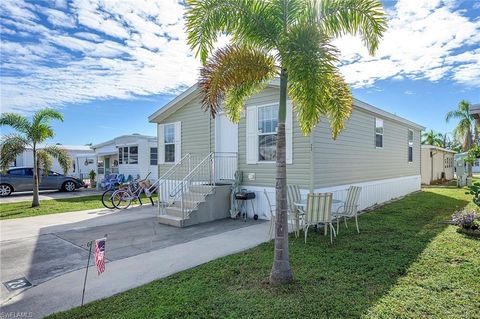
[(291, 39), (433, 138), (463, 130), (30, 135)]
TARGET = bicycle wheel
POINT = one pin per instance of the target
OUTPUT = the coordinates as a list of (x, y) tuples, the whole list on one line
[(107, 199), (121, 199)]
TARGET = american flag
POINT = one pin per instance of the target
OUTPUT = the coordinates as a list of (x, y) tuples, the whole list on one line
[(100, 255)]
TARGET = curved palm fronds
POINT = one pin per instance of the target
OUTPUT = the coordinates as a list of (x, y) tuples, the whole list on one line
[(463, 130), (247, 21), (45, 115), (44, 161), (364, 17), (60, 154), (432, 138), (314, 83), (233, 74), (16, 121), (11, 146)]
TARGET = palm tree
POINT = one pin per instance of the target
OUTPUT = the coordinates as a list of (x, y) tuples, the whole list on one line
[(291, 39), (463, 130), (433, 138), (30, 135)]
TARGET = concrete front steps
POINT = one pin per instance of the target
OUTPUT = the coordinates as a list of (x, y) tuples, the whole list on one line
[(203, 203)]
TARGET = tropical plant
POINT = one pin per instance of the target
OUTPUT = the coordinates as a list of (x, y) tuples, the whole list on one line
[(29, 135), (92, 174), (463, 130), (432, 138), (291, 39)]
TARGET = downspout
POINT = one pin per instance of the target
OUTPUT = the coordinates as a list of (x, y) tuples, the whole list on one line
[(312, 162), (432, 154)]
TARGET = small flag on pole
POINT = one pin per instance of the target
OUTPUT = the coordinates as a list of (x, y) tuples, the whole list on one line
[(100, 255)]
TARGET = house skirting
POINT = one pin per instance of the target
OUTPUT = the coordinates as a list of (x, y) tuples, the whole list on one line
[(373, 193)]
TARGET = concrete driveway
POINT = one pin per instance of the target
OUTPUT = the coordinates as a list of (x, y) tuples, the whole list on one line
[(51, 253), (50, 194)]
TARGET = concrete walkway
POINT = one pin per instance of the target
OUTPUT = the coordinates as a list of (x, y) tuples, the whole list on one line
[(46, 195), (138, 251)]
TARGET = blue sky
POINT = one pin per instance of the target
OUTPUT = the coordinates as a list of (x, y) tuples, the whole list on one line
[(107, 65)]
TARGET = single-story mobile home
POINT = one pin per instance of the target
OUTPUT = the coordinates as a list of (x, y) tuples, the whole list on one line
[(77, 169), (377, 150), (134, 155), (437, 164)]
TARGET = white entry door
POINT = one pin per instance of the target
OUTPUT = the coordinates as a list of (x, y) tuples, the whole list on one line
[(226, 148)]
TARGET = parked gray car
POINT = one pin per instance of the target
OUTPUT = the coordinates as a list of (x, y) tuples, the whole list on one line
[(20, 179)]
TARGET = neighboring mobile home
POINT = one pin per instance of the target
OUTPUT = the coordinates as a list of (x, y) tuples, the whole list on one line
[(437, 164), (134, 155), (377, 150), (76, 168)]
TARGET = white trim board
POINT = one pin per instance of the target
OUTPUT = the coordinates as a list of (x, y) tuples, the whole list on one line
[(373, 192), (189, 94)]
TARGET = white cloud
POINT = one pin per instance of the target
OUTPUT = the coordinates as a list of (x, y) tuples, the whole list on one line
[(96, 49), (422, 39), (119, 49)]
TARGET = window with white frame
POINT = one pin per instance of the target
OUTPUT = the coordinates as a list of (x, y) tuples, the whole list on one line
[(378, 133), (410, 146), (153, 156), (128, 155), (169, 142), (100, 167), (267, 132), (133, 155)]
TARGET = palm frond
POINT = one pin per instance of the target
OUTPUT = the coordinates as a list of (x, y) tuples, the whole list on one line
[(232, 75), (45, 115), (11, 146), (314, 83), (455, 114), (41, 132), (44, 161), (364, 17), (247, 21), (16, 121), (61, 155)]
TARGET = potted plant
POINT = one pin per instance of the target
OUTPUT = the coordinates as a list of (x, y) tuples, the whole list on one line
[(92, 175)]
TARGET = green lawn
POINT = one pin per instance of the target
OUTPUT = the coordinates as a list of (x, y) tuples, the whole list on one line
[(405, 263), (52, 206)]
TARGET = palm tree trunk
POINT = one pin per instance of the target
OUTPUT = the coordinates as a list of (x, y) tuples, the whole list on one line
[(475, 132), (35, 201), (281, 271)]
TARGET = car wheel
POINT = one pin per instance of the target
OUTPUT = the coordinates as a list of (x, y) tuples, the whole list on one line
[(5, 190), (69, 186)]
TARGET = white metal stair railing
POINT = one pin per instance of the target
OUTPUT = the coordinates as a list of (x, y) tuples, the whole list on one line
[(195, 186), (172, 177)]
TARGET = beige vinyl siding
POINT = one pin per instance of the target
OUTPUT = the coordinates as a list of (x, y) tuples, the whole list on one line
[(297, 172), (196, 130), (353, 157)]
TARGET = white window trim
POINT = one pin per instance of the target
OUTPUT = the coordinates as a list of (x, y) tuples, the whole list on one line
[(410, 144), (128, 154), (382, 134), (177, 142), (252, 134), (150, 153)]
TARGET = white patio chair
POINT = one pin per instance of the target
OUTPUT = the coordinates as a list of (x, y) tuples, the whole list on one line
[(294, 196), (271, 210), (319, 211), (273, 219), (350, 208)]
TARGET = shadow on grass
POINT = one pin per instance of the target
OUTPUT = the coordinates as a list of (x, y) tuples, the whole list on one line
[(340, 280)]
